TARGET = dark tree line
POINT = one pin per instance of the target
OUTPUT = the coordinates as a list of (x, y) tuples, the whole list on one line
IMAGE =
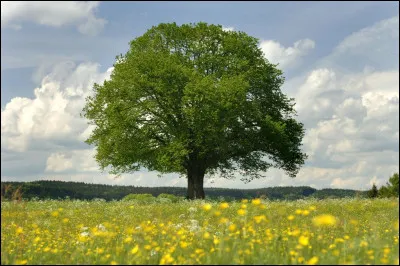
[(84, 191)]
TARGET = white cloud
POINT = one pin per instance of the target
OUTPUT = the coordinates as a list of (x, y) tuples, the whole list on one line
[(54, 14), (351, 111), (352, 124), (388, 28), (57, 162), (374, 48), (53, 115), (286, 57), (77, 160)]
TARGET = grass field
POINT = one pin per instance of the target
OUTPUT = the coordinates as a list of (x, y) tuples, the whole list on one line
[(348, 231)]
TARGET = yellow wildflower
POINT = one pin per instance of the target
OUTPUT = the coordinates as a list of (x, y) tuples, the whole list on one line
[(224, 205), (396, 225), (325, 219), (183, 244), (384, 260), (256, 202), (207, 207), (232, 228), (100, 250), (241, 212), (128, 240), (386, 251), (135, 249), (260, 218), (21, 262), (166, 259), (295, 232), (303, 240), (223, 220), (290, 217), (199, 251)]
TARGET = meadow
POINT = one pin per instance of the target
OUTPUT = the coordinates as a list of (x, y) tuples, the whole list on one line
[(336, 231)]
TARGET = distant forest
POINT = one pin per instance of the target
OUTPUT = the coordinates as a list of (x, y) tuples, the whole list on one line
[(84, 191)]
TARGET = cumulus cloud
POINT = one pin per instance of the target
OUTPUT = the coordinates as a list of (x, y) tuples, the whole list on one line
[(57, 162), (53, 115), (388, 28), (54, 14), (286, 57), (352, 115), (75, 160), (370, 49), (352, 122)]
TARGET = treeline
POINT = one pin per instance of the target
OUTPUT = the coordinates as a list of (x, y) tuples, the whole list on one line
[(390, 190), (85, 191)]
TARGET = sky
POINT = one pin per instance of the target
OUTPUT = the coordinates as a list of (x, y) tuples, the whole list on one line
[(340, 61)]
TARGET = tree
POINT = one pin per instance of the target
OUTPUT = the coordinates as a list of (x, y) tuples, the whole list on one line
[(392, 187), (373, 193), (194, 99)]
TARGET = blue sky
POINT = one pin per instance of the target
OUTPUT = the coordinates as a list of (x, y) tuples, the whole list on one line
[(340, 59)]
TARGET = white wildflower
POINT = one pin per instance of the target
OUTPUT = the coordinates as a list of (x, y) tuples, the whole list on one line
[(101, 227), (192, 209), (85, 234)]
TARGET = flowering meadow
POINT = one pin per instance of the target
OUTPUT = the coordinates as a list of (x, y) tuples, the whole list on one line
[(336, 231)]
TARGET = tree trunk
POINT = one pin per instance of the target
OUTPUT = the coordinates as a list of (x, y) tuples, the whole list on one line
[(199, 188), (195, 183), (190, 191)]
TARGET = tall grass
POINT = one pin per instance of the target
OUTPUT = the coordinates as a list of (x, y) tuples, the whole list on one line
[(343, 231)]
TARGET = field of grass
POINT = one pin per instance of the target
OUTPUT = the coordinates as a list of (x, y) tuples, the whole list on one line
[(346, 231)]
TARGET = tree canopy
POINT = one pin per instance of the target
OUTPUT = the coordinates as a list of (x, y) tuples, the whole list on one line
[(195, 99), (392, 187)]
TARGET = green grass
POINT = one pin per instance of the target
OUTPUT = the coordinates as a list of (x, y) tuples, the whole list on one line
[(80, 232)]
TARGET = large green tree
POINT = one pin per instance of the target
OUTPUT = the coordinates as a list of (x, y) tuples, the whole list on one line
[(194, 99)]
